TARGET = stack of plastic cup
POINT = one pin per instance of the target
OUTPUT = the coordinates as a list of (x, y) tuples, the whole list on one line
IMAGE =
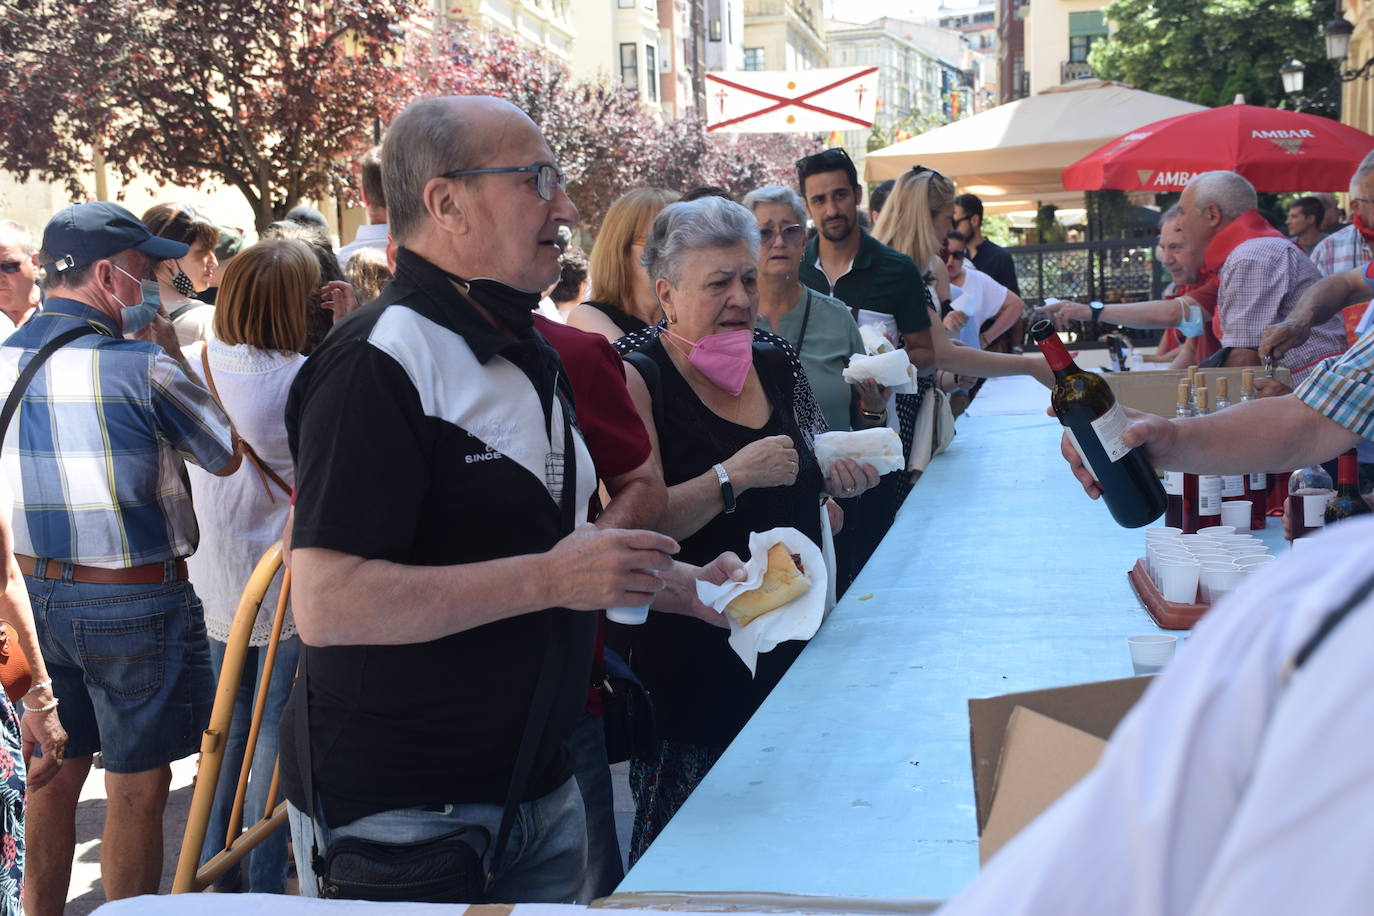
[(1236, 513)]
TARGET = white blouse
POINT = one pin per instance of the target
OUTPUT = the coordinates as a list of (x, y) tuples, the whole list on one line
[(239, 518)]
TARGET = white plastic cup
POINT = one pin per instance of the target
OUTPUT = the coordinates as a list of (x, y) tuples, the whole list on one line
[(1236, 513), (1153, 554), (1217, 582), (1149, 654), (1217, 529), (1178, 580), (1248, 550), (1162, 531), (628, 615), (1190, 538), (1209, 553), (1251, 562)]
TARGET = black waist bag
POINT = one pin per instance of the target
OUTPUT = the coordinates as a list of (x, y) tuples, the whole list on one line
[(445, 869), (627, 712)]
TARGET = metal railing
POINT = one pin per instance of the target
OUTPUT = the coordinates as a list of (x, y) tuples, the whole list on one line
[(1113, 270), (1074, 69)]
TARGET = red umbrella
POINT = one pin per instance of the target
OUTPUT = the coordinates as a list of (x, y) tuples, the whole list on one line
[(1277, 150)]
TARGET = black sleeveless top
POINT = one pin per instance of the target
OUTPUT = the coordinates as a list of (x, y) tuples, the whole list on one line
[(627, 323), (702, 692)]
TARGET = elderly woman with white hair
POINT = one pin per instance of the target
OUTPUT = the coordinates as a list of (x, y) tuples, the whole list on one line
[(819, 327), (734, 423)]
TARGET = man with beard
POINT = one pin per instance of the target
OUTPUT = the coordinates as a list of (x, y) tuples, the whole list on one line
[(881, 286)]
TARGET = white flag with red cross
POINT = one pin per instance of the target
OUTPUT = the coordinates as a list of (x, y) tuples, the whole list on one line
[(804, 102)]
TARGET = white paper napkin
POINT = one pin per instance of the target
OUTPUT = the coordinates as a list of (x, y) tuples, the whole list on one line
[(879, 447), (799, 618), (887, 369)]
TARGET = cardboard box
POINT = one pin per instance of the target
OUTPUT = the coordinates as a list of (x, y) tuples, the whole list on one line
[(1156, 391), (1030, 748)]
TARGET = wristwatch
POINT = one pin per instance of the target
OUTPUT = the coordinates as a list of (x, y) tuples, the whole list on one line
[(727, 492), (1097, 308)]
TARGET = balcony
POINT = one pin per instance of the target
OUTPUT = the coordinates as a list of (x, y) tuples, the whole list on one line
[(1074, 69)]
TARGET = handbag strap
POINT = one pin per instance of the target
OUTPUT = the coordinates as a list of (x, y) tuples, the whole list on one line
[(265, 473), (545, 688), (26, 377)]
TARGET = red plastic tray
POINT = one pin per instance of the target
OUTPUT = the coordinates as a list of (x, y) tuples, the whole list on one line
[(1170, 615)]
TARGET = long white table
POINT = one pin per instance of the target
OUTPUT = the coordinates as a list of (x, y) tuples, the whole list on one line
[(854, 778)]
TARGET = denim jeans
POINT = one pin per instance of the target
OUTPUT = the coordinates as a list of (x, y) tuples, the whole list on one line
[(267, 861), (604, 867), (544, 859), (130, 664)]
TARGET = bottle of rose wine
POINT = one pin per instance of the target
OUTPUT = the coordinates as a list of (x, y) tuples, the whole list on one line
[(1208, 504), (1309, 490), (1174, 480), (1256, 484), (1347, 503), (1086, 407)]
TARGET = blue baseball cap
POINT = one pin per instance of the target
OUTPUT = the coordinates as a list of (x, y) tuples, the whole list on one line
[(85, 233)]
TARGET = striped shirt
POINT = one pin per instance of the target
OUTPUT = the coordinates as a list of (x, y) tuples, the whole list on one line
[(95, 453), (1342, 388), (1342, 250)]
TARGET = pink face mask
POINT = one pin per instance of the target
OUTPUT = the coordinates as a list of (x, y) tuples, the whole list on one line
[(723, 358)]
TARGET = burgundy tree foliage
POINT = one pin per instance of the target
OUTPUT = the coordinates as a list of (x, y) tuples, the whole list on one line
[(272, 97)]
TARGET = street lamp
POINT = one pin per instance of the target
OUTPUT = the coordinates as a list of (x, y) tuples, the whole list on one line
[(1292, 73), (1337, 33)]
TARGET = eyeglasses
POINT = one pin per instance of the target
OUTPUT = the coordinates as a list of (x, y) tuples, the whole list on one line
[(11, 267), (547, 177), (1360, 201), (920, 169), (791, 235), (833, 156), (639, 240)]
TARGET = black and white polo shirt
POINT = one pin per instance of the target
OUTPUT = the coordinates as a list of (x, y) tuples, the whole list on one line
[(422, 436)]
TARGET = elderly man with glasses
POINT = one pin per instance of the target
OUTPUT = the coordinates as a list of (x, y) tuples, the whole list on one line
[(443, 570)]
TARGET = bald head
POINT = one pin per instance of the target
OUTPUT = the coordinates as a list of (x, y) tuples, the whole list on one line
[(434, 136)]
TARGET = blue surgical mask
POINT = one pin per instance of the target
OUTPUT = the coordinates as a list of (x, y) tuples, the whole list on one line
[(138, 316), (1192, 324)]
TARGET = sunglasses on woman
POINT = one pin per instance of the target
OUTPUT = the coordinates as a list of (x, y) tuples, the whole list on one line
[(791, 235)]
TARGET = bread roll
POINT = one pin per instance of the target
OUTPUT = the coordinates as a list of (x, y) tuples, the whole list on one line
[(783, 580)]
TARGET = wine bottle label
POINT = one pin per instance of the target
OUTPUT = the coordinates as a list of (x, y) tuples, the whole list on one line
[(1208, 494), (1173, 483), (1109, 428), (1259, 481), (1314, 509), (1232, 486)]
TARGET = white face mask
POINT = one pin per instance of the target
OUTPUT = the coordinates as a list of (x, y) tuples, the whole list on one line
[(138, 316)]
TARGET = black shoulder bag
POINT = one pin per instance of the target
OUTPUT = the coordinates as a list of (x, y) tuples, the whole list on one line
[(448, 868)]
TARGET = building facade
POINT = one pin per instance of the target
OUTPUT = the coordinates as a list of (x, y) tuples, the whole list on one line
[(620, 40), (1357, 96), (784, 35), (544, 24), (1058, 36), (978, 25), (923, 78), (1013, 81)]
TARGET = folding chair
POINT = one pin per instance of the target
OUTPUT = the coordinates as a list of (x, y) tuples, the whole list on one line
[(191, 876)]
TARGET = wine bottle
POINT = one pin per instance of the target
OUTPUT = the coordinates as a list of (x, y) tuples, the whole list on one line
[(1309, 490), (1256, 484), (1347, 503), (1232, 485), (1086, 407), (1208, 511), (1173, 480), (1192, 387)]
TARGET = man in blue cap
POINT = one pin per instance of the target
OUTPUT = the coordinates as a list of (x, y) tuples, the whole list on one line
[(102, 524)]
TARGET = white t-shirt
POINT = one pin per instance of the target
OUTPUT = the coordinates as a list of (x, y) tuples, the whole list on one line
[(192, 319), (1228, 790), (239, 518), (982, 299)]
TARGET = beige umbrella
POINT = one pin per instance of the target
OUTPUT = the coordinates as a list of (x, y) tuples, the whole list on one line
[(1012, 155)]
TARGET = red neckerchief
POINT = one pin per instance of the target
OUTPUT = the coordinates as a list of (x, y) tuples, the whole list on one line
[(1363, 230), (1249, 225)]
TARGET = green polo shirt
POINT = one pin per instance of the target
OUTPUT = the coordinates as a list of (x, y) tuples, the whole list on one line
[(824, 335), (880, 280)]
